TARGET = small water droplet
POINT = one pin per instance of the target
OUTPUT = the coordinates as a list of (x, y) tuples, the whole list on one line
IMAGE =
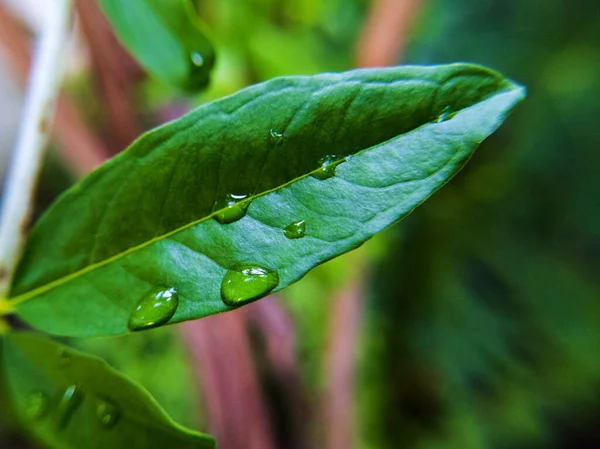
[(276, 136), (247, 284), (232, 209), (154, 309), (295, 230), (108, 414), (328, 166), (442, 116), (69, 402), (446, 115), (197, 59), (64, 358), (36, 405)]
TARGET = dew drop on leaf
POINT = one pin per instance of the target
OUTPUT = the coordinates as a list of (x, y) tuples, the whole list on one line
[(69, 402), (197, 59), (295, 230), (247, 284), (107, 414), (276, 136), (232, 209), (154, 309), (328, 166), (446, 115), (36, 405)]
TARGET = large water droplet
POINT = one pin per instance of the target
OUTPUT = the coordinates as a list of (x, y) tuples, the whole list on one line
[(197, 59), (247, 284), (108, 414), (154, 309), (328, 166), (64, 358), (233, 208), (295, 230), (69, 402), (36, 405)]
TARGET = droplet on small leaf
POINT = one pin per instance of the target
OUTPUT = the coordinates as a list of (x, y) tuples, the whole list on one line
[(154, 309), (108, 414), (247, 284), (36, 405), (295, 230)]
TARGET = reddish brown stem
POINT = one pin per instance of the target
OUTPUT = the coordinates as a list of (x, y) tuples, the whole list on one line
[(385, 32), (338, 406), (278, 332), (222, 360), (115, 72)]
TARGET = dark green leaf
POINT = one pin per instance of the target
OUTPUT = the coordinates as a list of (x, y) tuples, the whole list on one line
[(157, 218), (165, 38), (68, 399)]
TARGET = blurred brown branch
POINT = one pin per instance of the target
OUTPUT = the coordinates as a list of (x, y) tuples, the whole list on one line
[(115, 71), (222, 360), (77, 144), (385, 32), (337, 403), (278, 332)]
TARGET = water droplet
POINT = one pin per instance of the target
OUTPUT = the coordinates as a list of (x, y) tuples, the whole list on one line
[(69, 402), (107, 414), (446, 115), (64, 358), (276, 136), (154, 309), (197, 59), (247, 284), (233, 209), (328, 166), (36, 405), (442, 116), (295, 230)]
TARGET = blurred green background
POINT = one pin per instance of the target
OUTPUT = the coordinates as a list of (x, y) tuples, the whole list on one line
[(473, 324)]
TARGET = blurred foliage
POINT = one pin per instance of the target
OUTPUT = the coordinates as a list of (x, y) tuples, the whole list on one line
[(157, 360), (484, 322), (481, 320)]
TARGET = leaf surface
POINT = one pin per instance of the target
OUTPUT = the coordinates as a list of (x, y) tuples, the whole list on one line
[(68, 399), (152, 219), (165, 37)]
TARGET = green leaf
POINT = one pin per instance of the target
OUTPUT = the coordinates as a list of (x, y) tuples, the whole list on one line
[(68, 399), (165, 37), (155, 225), (158, 360)]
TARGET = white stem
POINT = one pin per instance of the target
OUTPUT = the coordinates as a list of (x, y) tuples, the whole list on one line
[(44, 84)]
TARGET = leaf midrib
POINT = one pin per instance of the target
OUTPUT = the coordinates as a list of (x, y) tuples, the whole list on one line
[(19, 299)]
